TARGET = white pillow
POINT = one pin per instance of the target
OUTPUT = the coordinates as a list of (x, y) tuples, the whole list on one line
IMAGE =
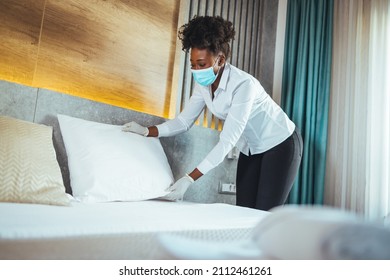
[(107, 164)]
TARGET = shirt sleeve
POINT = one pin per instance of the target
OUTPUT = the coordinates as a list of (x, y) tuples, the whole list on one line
[(185, 120), (234, 125)]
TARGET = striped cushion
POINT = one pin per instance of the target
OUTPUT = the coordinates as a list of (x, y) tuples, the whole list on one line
[(29, 171)]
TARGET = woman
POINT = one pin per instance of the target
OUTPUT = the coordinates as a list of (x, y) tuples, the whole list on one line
[(270, 145)]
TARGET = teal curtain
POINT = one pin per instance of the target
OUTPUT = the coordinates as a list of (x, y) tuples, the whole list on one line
[(305, 90)]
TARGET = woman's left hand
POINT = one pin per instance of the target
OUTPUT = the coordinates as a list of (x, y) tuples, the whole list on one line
[(178, 189)]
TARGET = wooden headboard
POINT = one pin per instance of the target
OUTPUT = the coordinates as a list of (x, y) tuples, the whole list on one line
[(119, 52)]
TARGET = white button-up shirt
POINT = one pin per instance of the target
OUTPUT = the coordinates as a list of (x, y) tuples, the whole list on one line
[(253, 122)]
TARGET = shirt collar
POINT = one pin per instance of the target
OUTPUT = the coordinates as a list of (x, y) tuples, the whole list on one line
[(225, 77)]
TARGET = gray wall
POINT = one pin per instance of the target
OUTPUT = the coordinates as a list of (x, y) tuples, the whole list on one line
[(184, 151)]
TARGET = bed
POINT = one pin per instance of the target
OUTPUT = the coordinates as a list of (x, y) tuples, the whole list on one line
[(117, 208), (116, 230), (162, 230)]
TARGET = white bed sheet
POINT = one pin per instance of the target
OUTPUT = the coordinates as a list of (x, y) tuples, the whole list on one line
[(115, 230)]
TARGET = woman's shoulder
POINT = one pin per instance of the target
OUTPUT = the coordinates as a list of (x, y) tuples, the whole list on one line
[(237, 71), (240, 77)]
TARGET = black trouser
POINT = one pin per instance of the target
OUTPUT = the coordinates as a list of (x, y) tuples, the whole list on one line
[(265, 180)]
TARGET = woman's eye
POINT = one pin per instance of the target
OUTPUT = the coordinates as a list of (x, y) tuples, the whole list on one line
[(193, 66)]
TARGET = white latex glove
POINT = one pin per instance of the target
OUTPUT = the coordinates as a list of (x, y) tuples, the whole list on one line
[(135, 128), (178, 189)]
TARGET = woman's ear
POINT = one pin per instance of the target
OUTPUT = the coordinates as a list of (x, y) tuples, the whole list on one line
[(222, 60)]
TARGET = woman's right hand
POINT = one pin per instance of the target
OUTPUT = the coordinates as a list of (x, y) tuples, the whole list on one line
[(135, 128)]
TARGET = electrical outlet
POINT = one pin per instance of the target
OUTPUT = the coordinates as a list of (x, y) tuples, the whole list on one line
[(227, 188)]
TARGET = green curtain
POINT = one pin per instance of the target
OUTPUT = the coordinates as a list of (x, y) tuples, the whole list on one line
[(305, 90)]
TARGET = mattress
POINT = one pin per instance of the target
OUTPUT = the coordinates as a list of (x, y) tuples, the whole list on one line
[(116, 230)]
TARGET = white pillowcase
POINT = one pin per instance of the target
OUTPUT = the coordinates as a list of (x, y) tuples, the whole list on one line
[(107, 164)]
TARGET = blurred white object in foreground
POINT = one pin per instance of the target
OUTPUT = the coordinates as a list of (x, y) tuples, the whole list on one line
[(294, 232)]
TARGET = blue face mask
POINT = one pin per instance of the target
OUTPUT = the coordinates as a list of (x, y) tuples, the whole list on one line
[(205, 77)]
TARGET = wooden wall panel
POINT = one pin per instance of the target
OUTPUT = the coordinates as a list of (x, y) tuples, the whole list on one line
[(20, 24), (120, 52)]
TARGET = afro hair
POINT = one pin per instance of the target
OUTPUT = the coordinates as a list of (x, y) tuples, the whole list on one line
[(207, 32)]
